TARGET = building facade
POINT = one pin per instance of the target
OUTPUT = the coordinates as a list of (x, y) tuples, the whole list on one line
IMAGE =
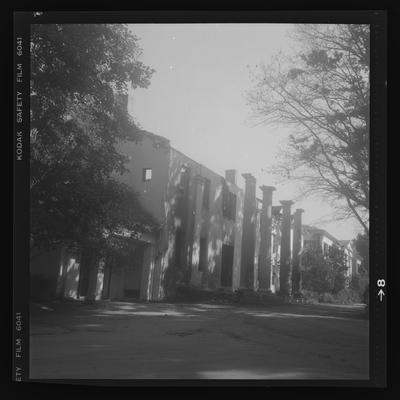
[(199, 243), (321, 240), (214, 233)]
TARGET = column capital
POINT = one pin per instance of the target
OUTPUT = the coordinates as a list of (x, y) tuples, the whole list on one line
[(249, 178), (299, 211), (267, 189), (286, 203)]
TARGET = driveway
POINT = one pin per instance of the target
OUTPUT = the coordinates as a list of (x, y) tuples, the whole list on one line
[(122, 340)]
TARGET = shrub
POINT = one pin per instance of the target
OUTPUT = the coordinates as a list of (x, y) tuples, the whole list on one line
[(340, 283), (347, 296), (324, 274), (309, 296), (355, 283), (359, 284), (326, 298), (251, 297), (365, 295), (191, 293)]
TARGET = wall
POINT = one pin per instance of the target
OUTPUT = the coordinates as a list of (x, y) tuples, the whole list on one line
[(151, 152), (326, 241), (69, 281), (187, 213)]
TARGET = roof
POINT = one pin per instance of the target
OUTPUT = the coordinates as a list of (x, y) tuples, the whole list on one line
[(312, 231)]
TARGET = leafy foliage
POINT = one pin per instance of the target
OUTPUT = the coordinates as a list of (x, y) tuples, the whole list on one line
[(324, 274), (322, 93), (362, 247), (80, 76)]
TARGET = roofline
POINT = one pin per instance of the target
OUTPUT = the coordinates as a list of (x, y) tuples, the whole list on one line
[(338, 242), (203, 166), (151, 135), (324, 232)]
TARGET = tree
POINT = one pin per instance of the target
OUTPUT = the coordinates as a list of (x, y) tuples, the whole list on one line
[(336, 262), (362, 246), (322, 94), (324, 273), (80, 75)]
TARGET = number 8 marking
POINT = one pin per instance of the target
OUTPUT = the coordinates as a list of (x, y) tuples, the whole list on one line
[(380, 282)]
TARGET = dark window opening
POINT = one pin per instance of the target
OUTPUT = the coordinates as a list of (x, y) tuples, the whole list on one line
[(206, 194), (133, 264), (203, 261), (132, 293), (147, 174), (183, 178), (228, 204), (226, 265), (85, 265)]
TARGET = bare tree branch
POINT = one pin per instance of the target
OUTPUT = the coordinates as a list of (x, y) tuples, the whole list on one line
[(323, 93)]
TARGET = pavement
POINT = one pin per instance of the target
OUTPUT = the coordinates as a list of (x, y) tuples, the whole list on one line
[(123, 340)]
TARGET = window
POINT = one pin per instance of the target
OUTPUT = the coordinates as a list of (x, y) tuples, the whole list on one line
[(228, 204), (203, 254), (147, 174), (206, 194), (226, 265), (183, 179)]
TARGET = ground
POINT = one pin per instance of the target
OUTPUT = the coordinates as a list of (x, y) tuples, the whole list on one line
[(122, 340)]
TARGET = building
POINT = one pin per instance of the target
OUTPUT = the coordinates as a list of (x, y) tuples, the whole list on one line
[(213, 234), (320, 239), (353, 259)]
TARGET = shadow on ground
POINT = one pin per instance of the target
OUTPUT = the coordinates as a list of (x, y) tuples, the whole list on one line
[(125, 340)]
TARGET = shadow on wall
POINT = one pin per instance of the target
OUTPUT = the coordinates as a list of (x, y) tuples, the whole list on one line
[(171, 270), (182, 230), (179, 207), (212, 230)]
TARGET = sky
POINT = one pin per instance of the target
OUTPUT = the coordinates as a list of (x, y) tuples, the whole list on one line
[(197, 99)]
